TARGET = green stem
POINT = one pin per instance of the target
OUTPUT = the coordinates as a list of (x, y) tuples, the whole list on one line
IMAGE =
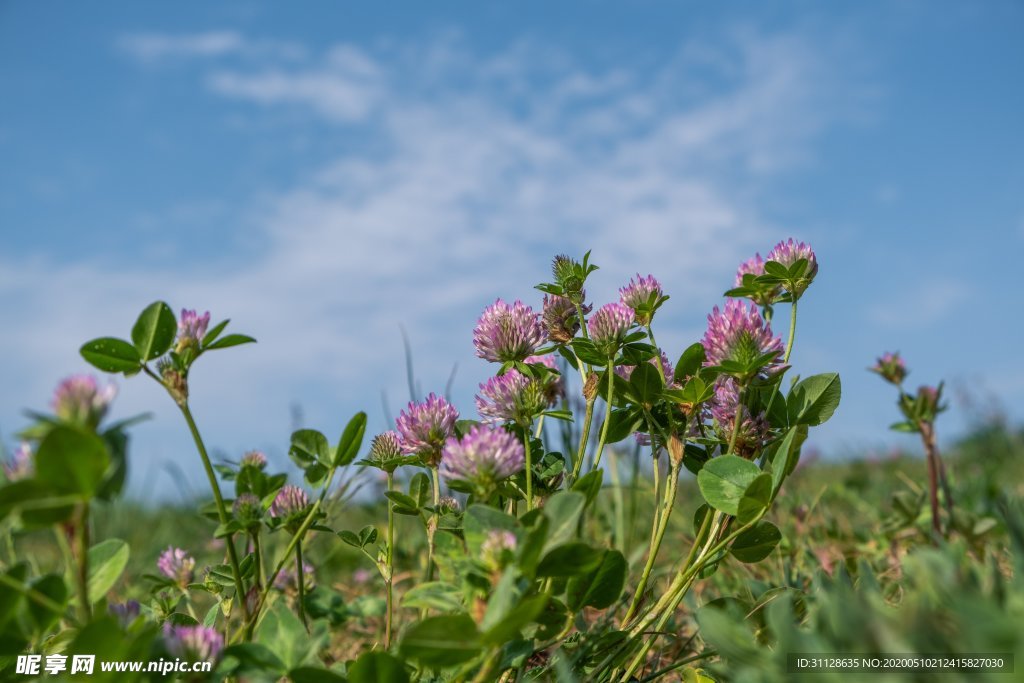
[(37, 597), (296, 537), (431, 528), (677, 591), (83, 562), (300, 580), (792, 332), (584, 438), (258, 551), (610, 371), (657, 536), (391, 565), (222, 511)]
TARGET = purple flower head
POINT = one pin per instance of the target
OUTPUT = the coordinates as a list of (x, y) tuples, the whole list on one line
[(891, 367), (287, 580), (560, 317), (79, 399), (928, 398), (512, 397), (177, 565), (386, 450), (739, 334), (753, 429), (789, 252), (498, 549), (484, 457), (290, 502), (425, 427), (191, 329), (507, 332), (248, 509), (626, 371), (194, 643), (643, 295), (764, 295), (608, 327), (124, 612), (22, 463), (255, 459)]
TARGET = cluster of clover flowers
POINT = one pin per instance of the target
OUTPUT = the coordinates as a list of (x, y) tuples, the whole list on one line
[(487, 459), (484, 459)]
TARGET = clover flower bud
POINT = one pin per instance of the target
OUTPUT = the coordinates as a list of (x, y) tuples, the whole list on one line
[(609, 326), (248, 510), (174, 381), (753, 429), (643, 295), (177, 565), (191, 330), (287, 580), (21, 464), (891, 368), (512, 397), (423, 428), (386, 450), (498, 549), (193, 643), (764, 295), (739, 334), (554, 386), (291, 505), (560, 317), (569, 276), (447, 504), (788, 253), (484, 457), (80, 400), (255, 459), (124, 612)]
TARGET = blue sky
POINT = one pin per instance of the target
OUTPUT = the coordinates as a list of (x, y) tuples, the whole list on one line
[(324, 176)]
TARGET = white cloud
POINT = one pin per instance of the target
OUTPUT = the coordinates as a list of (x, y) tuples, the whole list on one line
[(484, 168), (924, 304), (154, 47)]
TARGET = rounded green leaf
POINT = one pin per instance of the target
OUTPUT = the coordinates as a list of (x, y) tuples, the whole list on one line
[(569, 559), (723, 480), (154, 331), (110, 354), (441, 642), (756, 543), (107, 561), (647, 383), (814, 399), (756, 499), (72, 461), (601, 587), (377, 667)]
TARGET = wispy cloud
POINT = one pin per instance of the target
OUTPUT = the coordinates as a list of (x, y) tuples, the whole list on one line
[(154, 47), (923, 304), (483, 166)]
